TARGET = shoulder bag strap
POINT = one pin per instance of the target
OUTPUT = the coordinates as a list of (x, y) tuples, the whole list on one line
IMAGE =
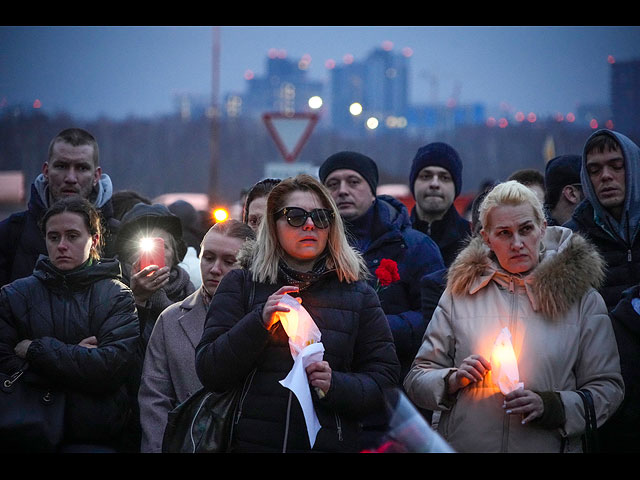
[(590, 438)]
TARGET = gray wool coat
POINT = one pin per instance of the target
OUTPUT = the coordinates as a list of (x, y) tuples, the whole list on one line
[(169, 376)]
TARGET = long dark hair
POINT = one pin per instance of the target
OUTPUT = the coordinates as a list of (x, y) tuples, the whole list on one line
[(86, 210)]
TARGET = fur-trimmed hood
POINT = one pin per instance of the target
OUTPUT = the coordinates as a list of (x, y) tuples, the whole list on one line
[(569, 267), (244, 257)]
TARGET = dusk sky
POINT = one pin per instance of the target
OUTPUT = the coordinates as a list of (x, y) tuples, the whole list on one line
[(121, 71)]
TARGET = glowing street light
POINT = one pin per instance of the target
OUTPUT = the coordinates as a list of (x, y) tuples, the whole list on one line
[(355, 109), (315, 102)]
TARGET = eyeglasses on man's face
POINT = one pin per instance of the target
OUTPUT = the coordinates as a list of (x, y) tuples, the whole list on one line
[(297, 217)]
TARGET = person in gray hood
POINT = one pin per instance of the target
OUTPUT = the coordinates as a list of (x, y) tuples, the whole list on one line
[(72, 169), (609, 215)]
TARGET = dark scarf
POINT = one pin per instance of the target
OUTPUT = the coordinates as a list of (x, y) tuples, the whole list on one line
[(302, 280)]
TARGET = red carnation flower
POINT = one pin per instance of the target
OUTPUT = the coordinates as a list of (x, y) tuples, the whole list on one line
[(387, 272)]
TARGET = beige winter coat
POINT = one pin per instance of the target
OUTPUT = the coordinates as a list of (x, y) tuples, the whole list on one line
[(561, 335)]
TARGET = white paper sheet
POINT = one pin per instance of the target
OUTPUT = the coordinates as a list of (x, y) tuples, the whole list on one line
[(306, 348), (297, 382)]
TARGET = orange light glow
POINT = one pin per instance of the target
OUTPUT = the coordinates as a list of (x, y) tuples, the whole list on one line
[(504, 365), (220, 215)]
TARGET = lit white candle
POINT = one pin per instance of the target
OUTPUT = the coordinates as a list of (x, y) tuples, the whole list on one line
[(504, 365)]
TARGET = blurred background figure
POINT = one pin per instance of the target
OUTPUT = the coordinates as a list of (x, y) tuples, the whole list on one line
[(169, 376), (74, 323), (124, 200), (256, 202), (532, 178), (192, 236), (563, 188)]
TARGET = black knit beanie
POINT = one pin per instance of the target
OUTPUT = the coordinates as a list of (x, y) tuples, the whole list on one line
[(437, 154), (358, 162)]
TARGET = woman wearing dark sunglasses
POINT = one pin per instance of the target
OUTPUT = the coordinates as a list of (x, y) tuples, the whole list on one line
[(301, 250)]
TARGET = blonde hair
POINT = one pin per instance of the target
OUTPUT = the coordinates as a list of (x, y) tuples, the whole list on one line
[(513, 193), (346, 261)]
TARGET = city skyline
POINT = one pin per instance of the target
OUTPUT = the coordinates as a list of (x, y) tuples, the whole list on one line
[(122, 71)]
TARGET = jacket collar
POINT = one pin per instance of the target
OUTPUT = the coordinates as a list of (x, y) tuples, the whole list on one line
[(192, 318), (570, 266)]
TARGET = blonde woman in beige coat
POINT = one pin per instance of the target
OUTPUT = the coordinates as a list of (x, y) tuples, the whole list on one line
[(169, 375), (539, 283)]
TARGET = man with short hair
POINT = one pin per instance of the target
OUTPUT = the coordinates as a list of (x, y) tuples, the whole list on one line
[(609, 215), (610, 218), (562, 188), (435, 181), (72, 168), (379, 228), (532, 178)]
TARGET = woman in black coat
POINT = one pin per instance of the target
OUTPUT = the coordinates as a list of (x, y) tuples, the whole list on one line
[(74, 324), (301, 250)]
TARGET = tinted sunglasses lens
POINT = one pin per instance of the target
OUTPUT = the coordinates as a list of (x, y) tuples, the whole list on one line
[(296, 217), (320, 218)]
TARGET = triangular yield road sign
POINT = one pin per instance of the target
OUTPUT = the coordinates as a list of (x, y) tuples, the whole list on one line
[(290, 131)]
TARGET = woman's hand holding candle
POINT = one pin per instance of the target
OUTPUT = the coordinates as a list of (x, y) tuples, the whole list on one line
[(524, 402), (271, 307), (473, 369), (319, 374)]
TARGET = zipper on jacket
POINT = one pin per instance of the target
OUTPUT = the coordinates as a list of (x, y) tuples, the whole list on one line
[(512, 331), (286, 424), (338, 427), (245, 390)]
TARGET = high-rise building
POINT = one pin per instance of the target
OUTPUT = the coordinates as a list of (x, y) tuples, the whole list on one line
[(285, 88), (379, 85), (625, 97)]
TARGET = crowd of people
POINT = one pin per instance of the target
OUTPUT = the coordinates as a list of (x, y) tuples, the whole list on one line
[(416, 301)]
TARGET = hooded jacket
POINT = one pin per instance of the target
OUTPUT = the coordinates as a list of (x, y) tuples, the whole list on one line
[(358, 346), (391, 236), (561, 335), (56, 310), (22, 241), (618, 241)]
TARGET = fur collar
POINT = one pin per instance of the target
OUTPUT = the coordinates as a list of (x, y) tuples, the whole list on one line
[(570, 266), (244, 258)]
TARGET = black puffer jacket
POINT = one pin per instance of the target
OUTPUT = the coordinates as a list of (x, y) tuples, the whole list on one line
[(358, 346), (56, 310), (623, 260)]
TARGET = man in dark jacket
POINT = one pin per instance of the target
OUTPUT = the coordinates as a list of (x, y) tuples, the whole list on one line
[(72, 168), (562, 188), (379, 227), (624, 427), (610, 214), (610, 217), (435, 181)]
